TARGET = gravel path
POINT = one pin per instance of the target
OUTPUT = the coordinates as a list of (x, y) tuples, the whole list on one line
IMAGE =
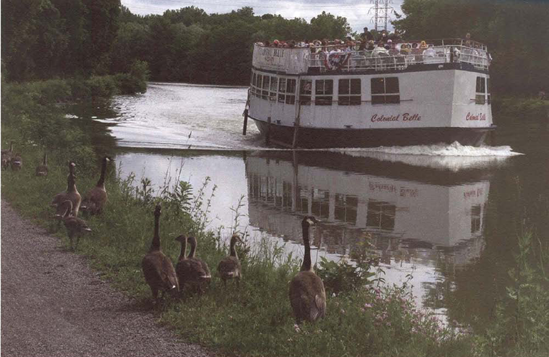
[(54, 305)]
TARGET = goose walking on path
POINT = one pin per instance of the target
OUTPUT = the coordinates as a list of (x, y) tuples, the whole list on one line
[(95, 199), (74, 225), (158, 268), (230, 267), (42, 170), (71, 194), (192, 272), (307, 294)]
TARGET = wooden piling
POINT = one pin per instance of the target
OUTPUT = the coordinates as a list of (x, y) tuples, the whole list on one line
[(245, 126), (268, 133)]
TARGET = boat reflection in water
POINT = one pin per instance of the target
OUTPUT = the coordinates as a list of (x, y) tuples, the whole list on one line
[(417, 212)]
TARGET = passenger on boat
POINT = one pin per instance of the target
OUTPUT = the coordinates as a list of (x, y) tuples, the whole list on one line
[(423, 45), (388, 45), (380, 50), (468, 42), (393, 51), (417, 52), (395, 37), (405, 48), (367, 35), (383, 37), (371, 45)]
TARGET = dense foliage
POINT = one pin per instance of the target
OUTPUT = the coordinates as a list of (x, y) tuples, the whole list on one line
[(189, 45), (85, 37), (515, 32), (89, 37)]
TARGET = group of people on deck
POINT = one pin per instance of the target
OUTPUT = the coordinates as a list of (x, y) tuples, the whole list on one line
[(385, 44)]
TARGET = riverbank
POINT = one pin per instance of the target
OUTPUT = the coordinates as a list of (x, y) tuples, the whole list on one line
[(520, 108), (255, 319)]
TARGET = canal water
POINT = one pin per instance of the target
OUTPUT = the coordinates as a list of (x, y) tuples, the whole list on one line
[(444, 218)]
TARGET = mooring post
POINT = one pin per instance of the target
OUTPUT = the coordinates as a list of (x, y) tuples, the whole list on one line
[(296, 133), (268, 134), (245, 126)]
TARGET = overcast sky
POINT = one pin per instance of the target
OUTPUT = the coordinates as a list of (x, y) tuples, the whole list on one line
[(357, 12)]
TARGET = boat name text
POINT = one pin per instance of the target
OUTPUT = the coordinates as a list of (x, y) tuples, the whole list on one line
[(404, 117), (479, 116)]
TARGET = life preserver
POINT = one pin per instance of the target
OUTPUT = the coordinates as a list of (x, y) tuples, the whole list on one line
[(336, 60)]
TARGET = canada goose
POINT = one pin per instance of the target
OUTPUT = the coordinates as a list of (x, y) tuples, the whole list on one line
[(96, 198), (75, 226), (6, 156), (230, 267), (307, 294), (42, 170), (192, 272), (16, 162), (71, 194), (157, 268)]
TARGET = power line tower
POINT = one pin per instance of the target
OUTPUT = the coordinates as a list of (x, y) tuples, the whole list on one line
[(381, 13)]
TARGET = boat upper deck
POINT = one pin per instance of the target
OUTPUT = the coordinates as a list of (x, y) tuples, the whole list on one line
[(344, 59)]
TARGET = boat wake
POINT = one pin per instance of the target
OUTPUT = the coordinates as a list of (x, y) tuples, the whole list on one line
[(454, 149), (452, 157)]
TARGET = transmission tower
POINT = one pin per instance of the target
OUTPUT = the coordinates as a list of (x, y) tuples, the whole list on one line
[(381, 13)]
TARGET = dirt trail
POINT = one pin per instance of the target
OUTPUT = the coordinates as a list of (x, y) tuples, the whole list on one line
[(54, 305)]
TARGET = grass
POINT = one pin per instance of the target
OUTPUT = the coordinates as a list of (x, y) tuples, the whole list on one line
[(254, 319)]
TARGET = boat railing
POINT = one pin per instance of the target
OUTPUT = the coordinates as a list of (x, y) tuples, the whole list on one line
[(381, 59)]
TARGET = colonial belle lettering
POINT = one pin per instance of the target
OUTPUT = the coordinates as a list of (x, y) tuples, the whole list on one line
[(398, 117), (272, 52), (479, 116)]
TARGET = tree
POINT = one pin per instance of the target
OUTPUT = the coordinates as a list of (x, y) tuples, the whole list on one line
[(328, 26), (102, 26)]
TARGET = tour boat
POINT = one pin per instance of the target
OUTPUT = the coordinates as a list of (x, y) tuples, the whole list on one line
[(330, 97)]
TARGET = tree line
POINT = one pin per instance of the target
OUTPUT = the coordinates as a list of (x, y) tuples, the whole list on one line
[(62, 38), (516, 33)]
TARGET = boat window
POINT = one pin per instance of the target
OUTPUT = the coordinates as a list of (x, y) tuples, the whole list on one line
[(290, 88), (349, 92), (290, 91), (480, 97), (274, 87), (254, 83), (488, 90), (305, 91), (266, 83), (281, 90), (324, 90), (385, 90)]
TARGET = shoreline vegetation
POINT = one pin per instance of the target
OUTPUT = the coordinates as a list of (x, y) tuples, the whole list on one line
[(255, 319)]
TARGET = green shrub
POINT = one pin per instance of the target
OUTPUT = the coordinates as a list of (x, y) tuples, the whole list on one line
[(102, 86), (135, 81), (521, 108)]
